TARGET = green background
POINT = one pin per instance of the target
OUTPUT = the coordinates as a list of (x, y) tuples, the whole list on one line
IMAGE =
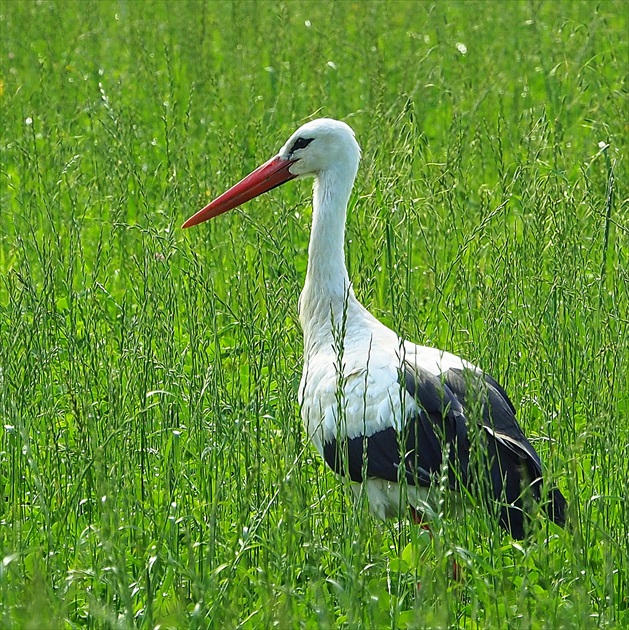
[(153, 467)]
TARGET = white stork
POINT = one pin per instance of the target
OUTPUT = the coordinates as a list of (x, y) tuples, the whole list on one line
[(390, 414)]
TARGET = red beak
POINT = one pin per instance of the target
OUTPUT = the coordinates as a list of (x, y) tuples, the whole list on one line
[(271, 174)]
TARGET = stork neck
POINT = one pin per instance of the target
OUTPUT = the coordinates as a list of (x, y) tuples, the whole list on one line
[(327, 274)]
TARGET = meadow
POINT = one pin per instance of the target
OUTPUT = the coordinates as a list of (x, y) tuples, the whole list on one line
[(154, 471)]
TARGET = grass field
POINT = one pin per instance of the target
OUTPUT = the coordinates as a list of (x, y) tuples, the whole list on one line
[(153, 467)]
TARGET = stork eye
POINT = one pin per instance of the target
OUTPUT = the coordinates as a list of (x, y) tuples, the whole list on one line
[(300, 143)]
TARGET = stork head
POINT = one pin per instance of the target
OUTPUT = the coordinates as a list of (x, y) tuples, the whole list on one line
[(320, 146)]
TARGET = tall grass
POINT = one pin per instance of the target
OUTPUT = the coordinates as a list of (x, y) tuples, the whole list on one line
[(153, 468)]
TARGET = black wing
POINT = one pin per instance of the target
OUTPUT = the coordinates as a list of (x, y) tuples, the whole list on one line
[(469, 416)]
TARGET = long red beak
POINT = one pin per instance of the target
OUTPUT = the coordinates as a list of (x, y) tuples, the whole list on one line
[(271, 174)]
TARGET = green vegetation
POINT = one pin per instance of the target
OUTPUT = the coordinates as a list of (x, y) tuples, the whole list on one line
[(153, 467)]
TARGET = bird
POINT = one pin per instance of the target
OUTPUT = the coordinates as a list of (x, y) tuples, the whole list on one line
[(396, 418)]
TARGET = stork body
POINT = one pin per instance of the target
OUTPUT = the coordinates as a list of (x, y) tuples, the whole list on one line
[(385, 412)]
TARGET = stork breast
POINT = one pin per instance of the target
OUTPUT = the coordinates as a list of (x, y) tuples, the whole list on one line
[(361, 402)]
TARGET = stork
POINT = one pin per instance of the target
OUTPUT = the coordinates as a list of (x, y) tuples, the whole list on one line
[(393, 416)]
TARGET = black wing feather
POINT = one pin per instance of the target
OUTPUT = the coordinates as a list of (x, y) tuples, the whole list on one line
[(514, 465)]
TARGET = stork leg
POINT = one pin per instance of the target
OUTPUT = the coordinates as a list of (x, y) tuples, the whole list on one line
[(417, 518)]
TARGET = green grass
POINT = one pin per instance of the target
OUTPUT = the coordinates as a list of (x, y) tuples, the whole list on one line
[(153, 467)]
